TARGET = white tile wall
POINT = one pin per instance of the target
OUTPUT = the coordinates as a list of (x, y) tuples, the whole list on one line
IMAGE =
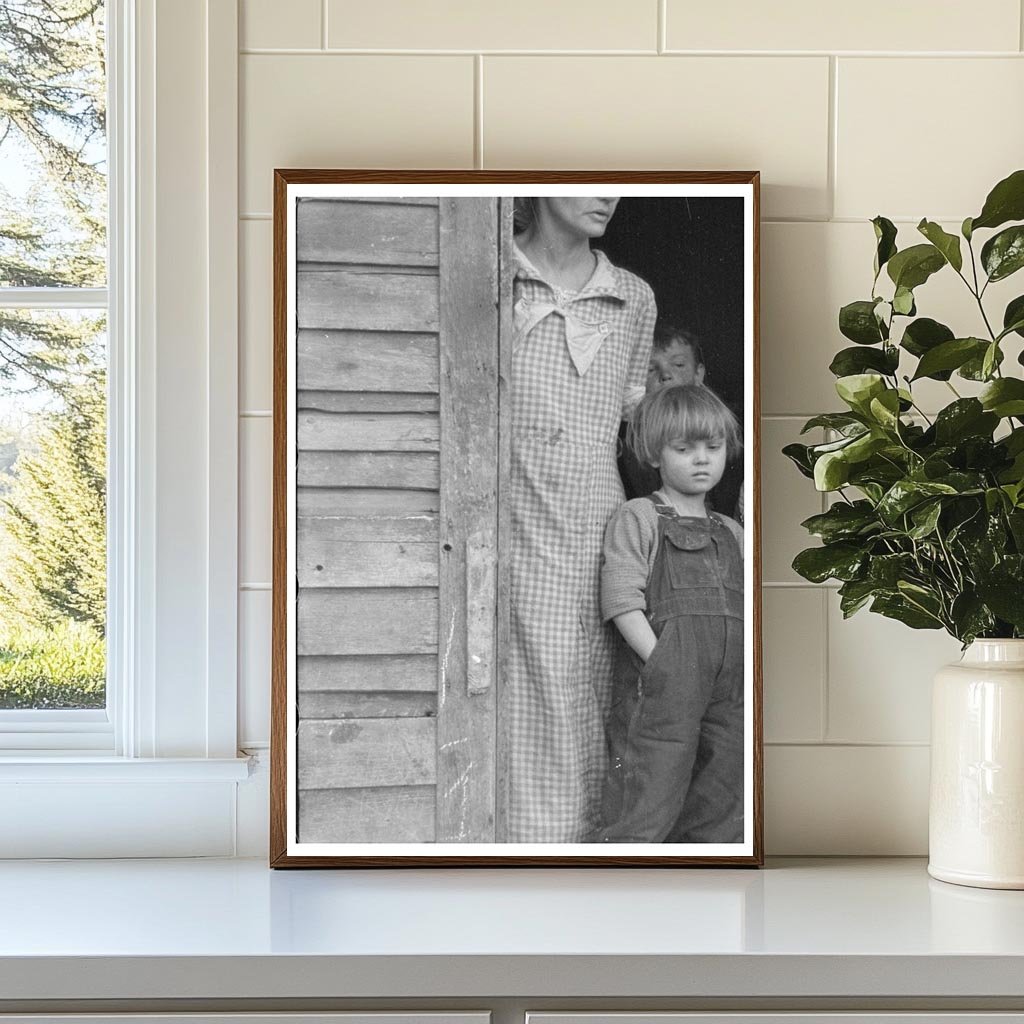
[(794, 663), (879, 678), (255, 444), (909, 110), (971, 110), (493, 25), (256, 306), (333, 110), (698, 113), (261, 24), (873, 25), (254, 668)]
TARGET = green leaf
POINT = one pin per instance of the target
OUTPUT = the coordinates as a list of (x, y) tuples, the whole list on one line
[(833, 420), (995, 499), (831, 471), (832, 561), (885, 571), (903, 302), (900, 609), (965, 228), (885, 409), (843, 521), (799, 455), (1003, 254), (1006, 599), (924, 334), (1014, 441), (850, 361), (966, 417), (1004, 397), (872, 491), (885, 470), (963, 481), (904, 495), (1012, 477), (970, 617), (974, 368), (1015, 519), (925, 518), (854, 594), (885, 236), (858, 389), (991, 360), (1013, 318), (947, 244), (1005, 202), (912, 267), (950, 355), (857, 321), (866, 445)]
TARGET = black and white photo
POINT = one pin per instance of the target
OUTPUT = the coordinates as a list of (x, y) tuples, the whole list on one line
[(515, 538)]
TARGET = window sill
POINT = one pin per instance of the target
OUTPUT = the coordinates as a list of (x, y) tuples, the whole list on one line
[(78, 767), (77, 806)]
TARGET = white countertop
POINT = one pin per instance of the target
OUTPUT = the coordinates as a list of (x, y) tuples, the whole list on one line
[(235, 929)]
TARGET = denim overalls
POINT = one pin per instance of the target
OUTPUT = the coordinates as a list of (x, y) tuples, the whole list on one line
[(675, 733)]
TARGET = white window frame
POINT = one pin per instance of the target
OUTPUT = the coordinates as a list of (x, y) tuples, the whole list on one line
[(159, 768)]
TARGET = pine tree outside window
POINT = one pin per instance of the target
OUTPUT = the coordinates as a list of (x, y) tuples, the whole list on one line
[(53, 366)]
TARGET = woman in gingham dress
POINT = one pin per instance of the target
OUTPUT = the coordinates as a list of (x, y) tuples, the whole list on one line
[(583, 330)]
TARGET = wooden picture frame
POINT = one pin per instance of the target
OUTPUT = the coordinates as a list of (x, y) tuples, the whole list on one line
[(394, 739)]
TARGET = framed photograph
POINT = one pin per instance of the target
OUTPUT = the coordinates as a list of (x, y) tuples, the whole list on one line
[(516, 607)]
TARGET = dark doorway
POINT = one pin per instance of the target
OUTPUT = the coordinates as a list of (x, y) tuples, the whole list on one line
[(690, 251)]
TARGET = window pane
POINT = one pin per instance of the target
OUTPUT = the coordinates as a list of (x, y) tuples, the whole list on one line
[(53, 150), (52, 509)]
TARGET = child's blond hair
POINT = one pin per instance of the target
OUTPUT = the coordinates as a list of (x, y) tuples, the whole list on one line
[(681, 412)]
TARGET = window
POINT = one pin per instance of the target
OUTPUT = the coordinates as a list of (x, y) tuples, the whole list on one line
[(53, 370), (155, 771)]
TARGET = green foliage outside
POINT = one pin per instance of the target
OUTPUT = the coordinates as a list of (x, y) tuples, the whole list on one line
[(59, 667), (52, 544), (52, 365), (928, 522)]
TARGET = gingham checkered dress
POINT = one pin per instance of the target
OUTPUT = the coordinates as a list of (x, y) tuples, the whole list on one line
[(565, 487)]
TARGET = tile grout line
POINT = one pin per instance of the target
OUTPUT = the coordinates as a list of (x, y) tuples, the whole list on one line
[(833, 134), (826, 715), (323, 24), (1020, 24), (768, 55), (663, 25), (852, 744), (478, 111), (825, 723)]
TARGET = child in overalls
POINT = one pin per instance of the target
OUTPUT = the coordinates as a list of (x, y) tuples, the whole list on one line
[(672, 582)]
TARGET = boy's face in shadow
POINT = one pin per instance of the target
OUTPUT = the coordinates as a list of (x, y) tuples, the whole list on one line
[(674, 365)]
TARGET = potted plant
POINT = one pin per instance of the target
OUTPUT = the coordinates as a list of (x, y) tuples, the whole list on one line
[(927, 521)]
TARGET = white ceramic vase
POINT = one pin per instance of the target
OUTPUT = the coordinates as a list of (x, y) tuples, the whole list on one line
[(976, 814)]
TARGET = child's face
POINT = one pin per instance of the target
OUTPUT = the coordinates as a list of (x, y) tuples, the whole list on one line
[(674, 365), (692, 467), (581, 215)]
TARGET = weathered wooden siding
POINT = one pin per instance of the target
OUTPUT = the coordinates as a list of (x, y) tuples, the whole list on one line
[(368, 441), (396, 323)]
